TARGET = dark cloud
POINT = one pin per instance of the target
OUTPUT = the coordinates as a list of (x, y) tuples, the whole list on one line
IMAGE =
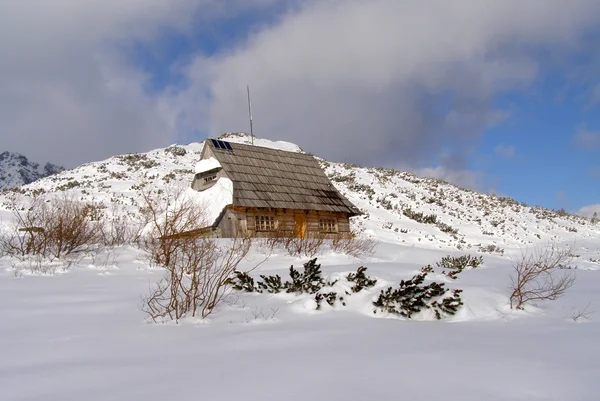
[(69, 90)]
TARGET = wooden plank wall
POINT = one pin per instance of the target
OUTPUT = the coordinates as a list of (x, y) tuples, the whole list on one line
[(244, 219)]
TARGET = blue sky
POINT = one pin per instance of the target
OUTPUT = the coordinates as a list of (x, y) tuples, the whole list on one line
[(535, 155), (499, 96)]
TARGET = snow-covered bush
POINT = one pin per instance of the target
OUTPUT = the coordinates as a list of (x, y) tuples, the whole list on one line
[(360, 280), (176, 150), (419, 216), (446, 228), (412, 296), (491, 248), (309, 281), (456, 264)]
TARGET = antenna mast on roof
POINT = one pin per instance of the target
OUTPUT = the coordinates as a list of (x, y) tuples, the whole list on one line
[(250, 114)]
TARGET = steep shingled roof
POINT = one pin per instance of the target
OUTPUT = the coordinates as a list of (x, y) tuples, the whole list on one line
[(265, 177)]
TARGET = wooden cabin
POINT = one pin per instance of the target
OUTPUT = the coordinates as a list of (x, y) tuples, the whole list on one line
[(275, 193)]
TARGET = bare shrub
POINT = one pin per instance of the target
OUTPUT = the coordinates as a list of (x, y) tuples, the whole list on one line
[(26, 234), (120, 228), (278, 240), (196, 278), (168, 218), (354, 246), (582, 315), (535, 276), (37, 265), (105, 259), (314, 243), (197, 268), (68, 227), (50, 227), (307, 246)]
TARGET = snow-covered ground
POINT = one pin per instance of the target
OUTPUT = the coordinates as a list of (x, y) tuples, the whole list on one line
[(80, 334)]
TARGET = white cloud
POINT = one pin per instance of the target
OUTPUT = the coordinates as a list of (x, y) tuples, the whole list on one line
[(587, 139), (383, 80), (461, 178), (505, 151), (588, 211)]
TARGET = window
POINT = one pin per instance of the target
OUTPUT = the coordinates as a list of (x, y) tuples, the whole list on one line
[(210, 178), (265, 223), (327, 225)]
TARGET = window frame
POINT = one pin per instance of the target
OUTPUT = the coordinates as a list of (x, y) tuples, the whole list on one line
[(328, 225), (265, 222)]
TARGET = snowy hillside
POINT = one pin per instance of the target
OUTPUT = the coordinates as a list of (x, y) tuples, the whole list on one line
[(399, 207), (16, 170)]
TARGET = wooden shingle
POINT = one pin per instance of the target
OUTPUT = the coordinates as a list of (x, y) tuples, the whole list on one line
[(272, 178)]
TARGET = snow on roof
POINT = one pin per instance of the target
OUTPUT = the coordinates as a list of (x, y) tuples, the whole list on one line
[(244, 138), (207, 164), (213, 200)]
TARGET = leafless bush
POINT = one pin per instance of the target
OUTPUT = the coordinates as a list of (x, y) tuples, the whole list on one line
[(197, 268), (169, 218), (196, 278), (582, 315), (25, 235), (536, 278), (278, 240), (120, 228), (314, 243), (69, 227), (258, 314), (37, 265), (50, 227), (105, 258), (307, 246), (353, 246)]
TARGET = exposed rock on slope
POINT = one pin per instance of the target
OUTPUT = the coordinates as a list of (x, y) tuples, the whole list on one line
[(16, 170)]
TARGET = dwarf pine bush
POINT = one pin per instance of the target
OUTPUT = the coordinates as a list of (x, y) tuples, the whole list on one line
[(456, 264), (412, 296)]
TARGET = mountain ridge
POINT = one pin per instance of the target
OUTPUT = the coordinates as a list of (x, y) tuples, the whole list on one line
[(16, 170)]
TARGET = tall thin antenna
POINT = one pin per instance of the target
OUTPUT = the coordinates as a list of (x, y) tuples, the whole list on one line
[(250, 114)]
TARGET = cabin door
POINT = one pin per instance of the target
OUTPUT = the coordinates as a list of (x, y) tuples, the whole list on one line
[(300, 225)]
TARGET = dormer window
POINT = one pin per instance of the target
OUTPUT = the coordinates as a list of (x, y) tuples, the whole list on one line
[(206, 176), (207, 172), (209, 178)]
